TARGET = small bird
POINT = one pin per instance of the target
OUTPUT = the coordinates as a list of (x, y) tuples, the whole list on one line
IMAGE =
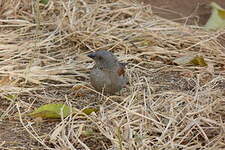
[(108, 74)]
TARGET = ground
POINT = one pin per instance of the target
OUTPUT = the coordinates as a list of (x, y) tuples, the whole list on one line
[(165, 105), (189, 12)]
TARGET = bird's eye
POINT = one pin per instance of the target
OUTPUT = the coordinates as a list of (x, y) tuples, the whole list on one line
[(100, 57)]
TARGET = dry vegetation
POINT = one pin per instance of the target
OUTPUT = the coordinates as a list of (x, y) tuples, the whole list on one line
[(165, 106)]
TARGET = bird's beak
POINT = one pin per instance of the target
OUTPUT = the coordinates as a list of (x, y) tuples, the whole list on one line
[(92, 55)]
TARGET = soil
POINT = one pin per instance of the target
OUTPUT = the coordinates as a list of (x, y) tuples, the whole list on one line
[(191, 12), (183, 11)]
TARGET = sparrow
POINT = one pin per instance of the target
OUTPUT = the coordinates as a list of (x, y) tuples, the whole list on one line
[(108, 74)]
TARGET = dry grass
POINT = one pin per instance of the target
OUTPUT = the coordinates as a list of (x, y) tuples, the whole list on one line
[(43, 55)]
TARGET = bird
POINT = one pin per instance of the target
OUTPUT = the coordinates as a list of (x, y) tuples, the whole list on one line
[(108, 74)]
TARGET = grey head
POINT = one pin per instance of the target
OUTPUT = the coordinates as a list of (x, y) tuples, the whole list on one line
[(104, 59)]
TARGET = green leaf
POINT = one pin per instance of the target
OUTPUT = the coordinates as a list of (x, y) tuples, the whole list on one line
[(191, 60), (55, 111), (221, 13), (199, 61), (217, 18), (45, 2), (88, 111), (51, 111), (11, 97)]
